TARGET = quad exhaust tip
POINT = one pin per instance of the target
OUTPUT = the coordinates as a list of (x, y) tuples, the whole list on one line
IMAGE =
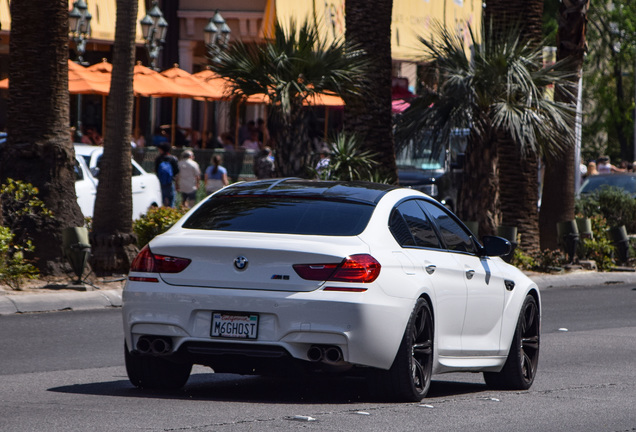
[(326, 354), (154, 345)]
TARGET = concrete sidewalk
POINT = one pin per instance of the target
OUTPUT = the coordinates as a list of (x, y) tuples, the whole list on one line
[(84, 300), (108, 298)]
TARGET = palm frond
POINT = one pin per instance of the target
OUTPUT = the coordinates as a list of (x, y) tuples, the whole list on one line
[(499, 84)]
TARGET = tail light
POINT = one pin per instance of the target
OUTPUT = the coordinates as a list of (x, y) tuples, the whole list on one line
[(360, 268), (147, 262)]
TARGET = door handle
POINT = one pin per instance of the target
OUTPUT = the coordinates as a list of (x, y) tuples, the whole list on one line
[(470, 274), (430, 269)]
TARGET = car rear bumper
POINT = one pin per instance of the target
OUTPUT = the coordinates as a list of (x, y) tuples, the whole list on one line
[(366, 327)]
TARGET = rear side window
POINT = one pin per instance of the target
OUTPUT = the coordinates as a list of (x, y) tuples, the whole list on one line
[(415, 225), (281, 215), (455, 237)]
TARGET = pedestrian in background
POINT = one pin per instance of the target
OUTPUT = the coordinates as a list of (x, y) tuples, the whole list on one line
[(166, 167), (322, 167), (188, 179), (215, 176), (604, 166), (264, 164)]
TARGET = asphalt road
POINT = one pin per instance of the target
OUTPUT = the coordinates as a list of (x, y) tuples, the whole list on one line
[(63, 371)]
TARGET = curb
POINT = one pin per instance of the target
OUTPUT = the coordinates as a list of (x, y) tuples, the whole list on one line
[(582, 279), (89, 300)]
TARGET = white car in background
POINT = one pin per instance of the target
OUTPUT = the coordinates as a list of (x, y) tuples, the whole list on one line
[(146, 191)]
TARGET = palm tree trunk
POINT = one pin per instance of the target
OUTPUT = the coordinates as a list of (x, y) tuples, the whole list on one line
[(112, 238), (293, 145), (38, 149), (368, 24), (518, 170), (519, 187), (557, 202), (481, 167)]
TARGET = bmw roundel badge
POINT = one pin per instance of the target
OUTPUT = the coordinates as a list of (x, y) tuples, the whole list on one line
[(240, 262)]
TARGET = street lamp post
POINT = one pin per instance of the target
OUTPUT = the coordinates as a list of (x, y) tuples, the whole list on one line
[(216, 35), (79, 30), (154, 29)]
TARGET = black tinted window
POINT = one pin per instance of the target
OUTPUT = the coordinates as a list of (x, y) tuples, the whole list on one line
[(452, 233), (400, 230), (419, 225), (283, 215)]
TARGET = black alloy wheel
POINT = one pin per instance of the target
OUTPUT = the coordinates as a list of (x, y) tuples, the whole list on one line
[(520, 368), (422, 349), (409, 378)]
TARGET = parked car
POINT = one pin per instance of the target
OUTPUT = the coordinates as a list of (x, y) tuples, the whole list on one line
[(438, 175), (625, 181), (341, 277), (146, 191)]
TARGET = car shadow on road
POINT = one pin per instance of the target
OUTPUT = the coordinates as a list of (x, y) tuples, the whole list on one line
[(257, 389)]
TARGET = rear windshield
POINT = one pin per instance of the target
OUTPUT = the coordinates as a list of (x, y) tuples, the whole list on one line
[(281, 215)]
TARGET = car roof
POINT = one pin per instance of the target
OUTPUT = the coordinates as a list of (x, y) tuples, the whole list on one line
[(358, 191), (87, 149)]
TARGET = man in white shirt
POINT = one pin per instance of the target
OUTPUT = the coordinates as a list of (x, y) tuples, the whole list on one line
[(188, 179)]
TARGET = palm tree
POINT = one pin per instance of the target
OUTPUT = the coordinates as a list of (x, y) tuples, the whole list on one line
[(369, 114), (518, 171), (112, 236), (557, 204), (38, 148), (289, 70), (498, 90)]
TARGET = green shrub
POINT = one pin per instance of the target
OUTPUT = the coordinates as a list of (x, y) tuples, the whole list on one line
[(14, 268), (349, 161), (522, 260), (22, 211), (549, 260), (158, 220), (614, 204), (599, 248)]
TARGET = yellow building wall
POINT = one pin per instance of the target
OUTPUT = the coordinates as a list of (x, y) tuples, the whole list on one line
[(411, 18), (104, 14)]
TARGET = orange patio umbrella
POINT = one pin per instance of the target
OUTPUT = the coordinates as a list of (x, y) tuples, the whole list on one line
[(192, 87), (79, 81), (146, 83), (82, 81), (327, 100), (224, 87)]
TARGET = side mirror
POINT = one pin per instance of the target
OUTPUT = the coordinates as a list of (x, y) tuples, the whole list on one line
[(495, 246)]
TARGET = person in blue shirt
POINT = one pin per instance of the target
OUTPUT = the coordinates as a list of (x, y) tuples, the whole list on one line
[(166, 168), (215, 175)]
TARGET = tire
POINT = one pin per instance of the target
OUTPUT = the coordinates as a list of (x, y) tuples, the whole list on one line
[(521, 365), (409, 378), (155, 373)]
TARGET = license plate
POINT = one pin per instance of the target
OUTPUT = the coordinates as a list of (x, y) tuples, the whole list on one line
[(233, 325)]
